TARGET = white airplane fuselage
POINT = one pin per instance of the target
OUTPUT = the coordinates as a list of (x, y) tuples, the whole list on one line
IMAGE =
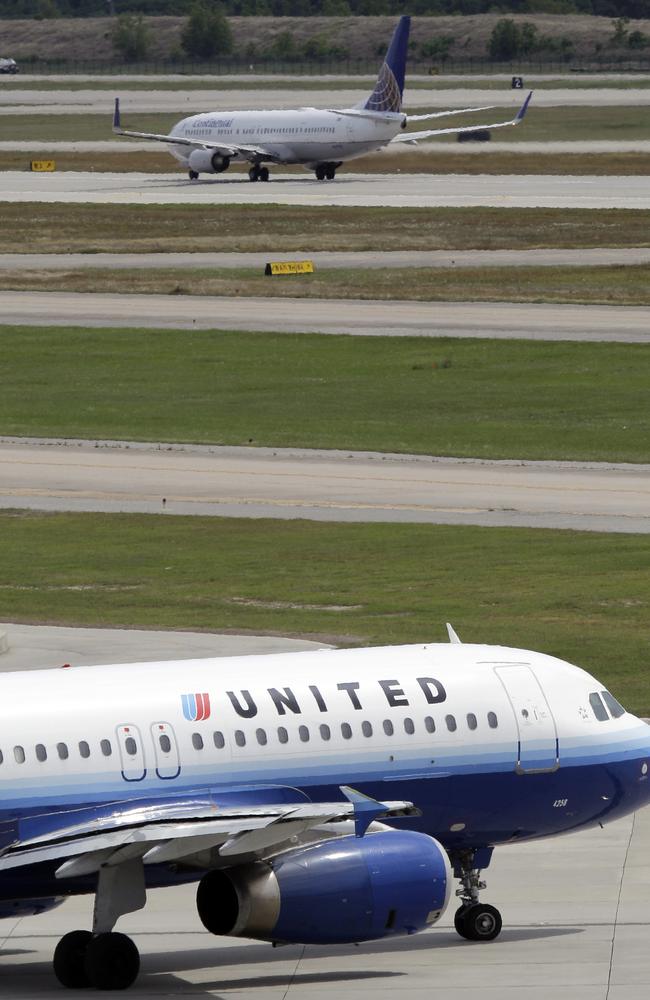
[(308, 136)]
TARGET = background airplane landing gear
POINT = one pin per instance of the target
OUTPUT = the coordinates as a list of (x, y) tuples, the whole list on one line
[(193, 174), (257, 173), (264, 173), (478, 922)]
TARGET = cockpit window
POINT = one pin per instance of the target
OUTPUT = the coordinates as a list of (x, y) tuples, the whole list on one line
[(613, 705), (598, 708)]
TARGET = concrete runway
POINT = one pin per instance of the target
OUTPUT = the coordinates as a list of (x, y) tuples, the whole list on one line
[(363, 318), (378, 190), (324, 486), (219, 97), (576, 915), (327, 260)]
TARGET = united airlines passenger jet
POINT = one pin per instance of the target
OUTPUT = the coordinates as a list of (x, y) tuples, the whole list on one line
[(320, 140), (322, 797)]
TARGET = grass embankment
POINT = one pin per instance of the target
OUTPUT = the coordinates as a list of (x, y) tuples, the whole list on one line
[(224, 84), (58, 228), (480, 398), (405, 161), (581, 596), (619, 285), (557, 124)]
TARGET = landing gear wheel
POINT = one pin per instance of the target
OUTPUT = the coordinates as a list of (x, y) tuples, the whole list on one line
[(69, 956), (254, 173), (330, 172), (264, 173), (320, 172), (112, 962), (478, 922), (193, 174)]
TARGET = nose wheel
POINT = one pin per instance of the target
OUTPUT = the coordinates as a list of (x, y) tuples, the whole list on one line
[(474, 921)]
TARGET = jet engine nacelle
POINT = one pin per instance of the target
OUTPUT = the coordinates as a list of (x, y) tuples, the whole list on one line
[(203, 161), (338, 891)]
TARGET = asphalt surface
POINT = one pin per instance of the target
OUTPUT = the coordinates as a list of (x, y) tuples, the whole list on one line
[(366, 318), (576, 913), (326, 260), (380, 190), (325, 485)]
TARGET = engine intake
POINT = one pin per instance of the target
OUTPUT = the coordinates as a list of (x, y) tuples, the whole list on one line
[(336, 892), (203, 161)]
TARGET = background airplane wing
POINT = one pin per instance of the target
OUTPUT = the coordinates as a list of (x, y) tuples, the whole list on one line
[(428, 133), (195, 829)]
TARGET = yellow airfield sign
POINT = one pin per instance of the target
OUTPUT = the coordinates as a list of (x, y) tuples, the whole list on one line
[(289, 267), (42, 165)]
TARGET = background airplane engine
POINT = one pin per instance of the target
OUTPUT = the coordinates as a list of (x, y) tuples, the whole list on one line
[(29, 907), (343, 890), (205, 162)]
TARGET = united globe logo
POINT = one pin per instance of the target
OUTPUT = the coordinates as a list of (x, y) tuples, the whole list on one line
[(196, 707)]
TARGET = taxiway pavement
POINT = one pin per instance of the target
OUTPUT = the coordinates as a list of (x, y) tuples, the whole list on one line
[(321, 485), (378, 190), (576, 915), (365, 318), (326, 260)]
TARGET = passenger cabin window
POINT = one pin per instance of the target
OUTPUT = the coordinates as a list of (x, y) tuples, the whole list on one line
[(84, 749), (303, 733), (429, 724), (388, 727), (197, 741), (2, 759), (451, 723), (261, 737), (62, 750), (41, 752), (19, 755), (493, 722), (409, 726), (240, 738), (598, 708), (346, 730), (471, 721), (325, 732), (219, 741), (614, 706), (130, 746), (106, 748), (283, 735), (165, 743), (366, 728)]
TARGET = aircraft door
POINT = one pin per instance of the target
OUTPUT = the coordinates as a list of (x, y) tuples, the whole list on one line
[(168, 762), (131, 749), (538, 747)]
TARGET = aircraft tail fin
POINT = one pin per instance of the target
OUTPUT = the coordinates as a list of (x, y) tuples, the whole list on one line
[(387, 95)]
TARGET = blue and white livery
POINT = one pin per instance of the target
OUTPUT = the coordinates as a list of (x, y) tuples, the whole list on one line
[(320, 140), (321, 797)]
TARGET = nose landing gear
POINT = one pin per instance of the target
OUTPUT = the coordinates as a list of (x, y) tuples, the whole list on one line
[(474, 921)]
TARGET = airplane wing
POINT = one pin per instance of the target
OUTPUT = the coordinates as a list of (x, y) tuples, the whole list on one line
[(414, 137), (445, 114), (196, 830), (249, 152)]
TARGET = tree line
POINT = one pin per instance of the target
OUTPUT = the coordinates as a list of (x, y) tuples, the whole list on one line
[(320, 8)]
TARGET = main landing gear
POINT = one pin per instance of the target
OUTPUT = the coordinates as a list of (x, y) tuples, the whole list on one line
[(193, 175), (103, 959), (326, 171), (474, 921), (258, 173)]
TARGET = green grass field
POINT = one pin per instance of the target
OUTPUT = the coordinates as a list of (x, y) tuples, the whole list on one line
[(581, 596), (480, 398), (59, 228), (620, 285), (222, 85), (567, 123)]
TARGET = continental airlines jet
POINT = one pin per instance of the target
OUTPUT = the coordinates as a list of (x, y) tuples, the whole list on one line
[(324, 797), (319, 140)]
